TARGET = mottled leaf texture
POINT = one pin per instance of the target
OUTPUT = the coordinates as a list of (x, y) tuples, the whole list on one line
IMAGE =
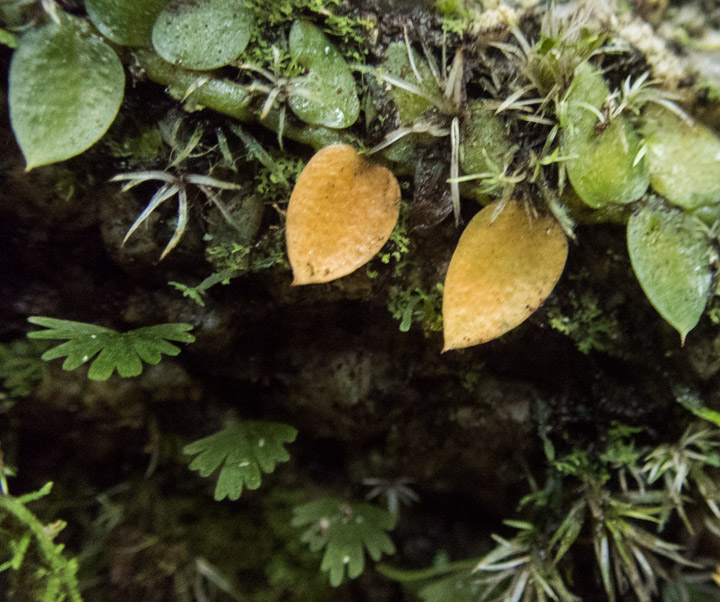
[(202, 34), (326, 95), (501, 272), (684, 159), (345, 530), (241, 452), (66, 86), (606, 163), (341, 212), (121, 351), (125, 22), (670, 254)]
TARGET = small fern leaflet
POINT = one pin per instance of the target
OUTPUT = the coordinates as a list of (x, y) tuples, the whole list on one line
[(241, 452), (345, 531), (121, 351)]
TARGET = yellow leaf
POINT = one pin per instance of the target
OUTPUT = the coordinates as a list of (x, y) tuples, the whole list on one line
[(500, 273), (342, 211)]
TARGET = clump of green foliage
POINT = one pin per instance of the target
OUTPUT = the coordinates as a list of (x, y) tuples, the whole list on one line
[(590, 326), (415, 305), (31, 552), (21, 367), (553, 83), (619, 499)]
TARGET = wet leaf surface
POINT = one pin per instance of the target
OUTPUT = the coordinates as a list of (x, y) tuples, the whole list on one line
[(684, 159), (125, 22), (327, 94), (202, 34), (670, 255), (604, 167), (66, 86)]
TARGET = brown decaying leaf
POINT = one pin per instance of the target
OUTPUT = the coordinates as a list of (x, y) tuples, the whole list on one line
[(500, 273), (341, 212)]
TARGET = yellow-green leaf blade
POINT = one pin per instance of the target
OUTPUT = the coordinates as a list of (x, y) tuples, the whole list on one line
[(606, 164), (684, 160), (670, 254)]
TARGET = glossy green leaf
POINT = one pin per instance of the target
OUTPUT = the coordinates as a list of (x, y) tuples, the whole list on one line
[(345, 531), (202, 34), (66, 86), (606, 164), (125, 22), (684, 160), (670, 254), (326, 95), (242, 452)]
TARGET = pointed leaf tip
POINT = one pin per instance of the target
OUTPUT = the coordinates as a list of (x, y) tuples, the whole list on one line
[(670, 255), (341, 212), (501, 272)]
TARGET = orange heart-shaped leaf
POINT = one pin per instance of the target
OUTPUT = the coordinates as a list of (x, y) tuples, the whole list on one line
[(342, 211), (501, 272)]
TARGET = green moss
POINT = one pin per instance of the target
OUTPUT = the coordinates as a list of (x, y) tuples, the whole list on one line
[(274, 182), (590, 326), (415, 305), (450, 9), (272, 18), (141, 148)]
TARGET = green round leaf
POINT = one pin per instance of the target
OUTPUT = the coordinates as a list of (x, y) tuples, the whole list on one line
[(684, 159), (670, 255), (606, 165), (326, 95), (125, 22), (66, 86), (202, 34)]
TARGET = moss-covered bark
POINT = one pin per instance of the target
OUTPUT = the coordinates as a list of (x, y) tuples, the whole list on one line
[(355, 365)]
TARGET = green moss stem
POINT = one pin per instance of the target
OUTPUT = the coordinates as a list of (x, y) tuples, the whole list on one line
[(52, 551)]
